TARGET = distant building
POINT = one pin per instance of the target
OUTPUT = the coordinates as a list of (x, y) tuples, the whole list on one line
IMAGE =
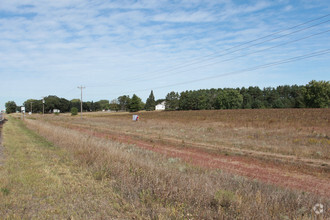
[(160, 106), (56, 111)]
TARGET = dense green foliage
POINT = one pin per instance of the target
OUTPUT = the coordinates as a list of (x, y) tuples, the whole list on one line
[(114, 105), (33, 104), (64, 105), (316, 94), (150, 103), (124, 102), (229, 99), (172, 101), (74, 111), (104, 104), (135, 104), (10, 107)]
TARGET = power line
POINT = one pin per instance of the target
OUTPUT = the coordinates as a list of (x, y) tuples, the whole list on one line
[(233, 58), (210, 56), (231, 52), (280, 62), (198, 60)]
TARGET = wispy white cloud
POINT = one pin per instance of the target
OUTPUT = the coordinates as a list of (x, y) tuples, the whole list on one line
[(58, 44), (197, 17)]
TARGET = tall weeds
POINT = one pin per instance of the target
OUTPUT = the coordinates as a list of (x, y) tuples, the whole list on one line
[(163, 187)]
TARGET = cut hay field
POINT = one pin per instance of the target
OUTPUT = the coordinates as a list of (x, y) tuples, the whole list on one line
[(235, 164)]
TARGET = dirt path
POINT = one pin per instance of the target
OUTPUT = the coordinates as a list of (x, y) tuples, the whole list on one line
[(277, 174)]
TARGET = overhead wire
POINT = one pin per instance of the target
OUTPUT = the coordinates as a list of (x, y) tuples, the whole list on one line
[(217, 55), (198, 60), (263, 66), (231, 52), (244, 55)]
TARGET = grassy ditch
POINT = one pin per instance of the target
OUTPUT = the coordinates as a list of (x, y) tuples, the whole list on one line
[(160, 187), (41, 181)]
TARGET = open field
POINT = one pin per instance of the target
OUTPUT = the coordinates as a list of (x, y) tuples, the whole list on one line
[(274, 146), (299, 132), (255, 164), (292, 135)]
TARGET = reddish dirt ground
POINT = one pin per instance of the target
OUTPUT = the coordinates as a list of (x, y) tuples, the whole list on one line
[(268, 172)]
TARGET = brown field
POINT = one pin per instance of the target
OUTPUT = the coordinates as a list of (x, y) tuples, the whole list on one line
[(301, 133), (264, 164)]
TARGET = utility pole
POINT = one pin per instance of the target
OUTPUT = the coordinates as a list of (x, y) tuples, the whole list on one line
[(22, 112), (43, 106), (81, 101), (31, 107)]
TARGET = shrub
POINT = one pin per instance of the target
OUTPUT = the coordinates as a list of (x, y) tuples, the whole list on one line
[(74, 111)]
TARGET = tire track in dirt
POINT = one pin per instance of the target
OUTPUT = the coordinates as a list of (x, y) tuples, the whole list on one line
[(319, 183), (309, 163)]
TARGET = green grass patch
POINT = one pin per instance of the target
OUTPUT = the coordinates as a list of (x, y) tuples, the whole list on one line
[(41, 181)]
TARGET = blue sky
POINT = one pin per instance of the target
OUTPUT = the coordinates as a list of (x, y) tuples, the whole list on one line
[(49, 47)]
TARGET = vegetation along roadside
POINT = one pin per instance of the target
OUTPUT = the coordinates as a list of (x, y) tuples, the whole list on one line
[(162, 187)]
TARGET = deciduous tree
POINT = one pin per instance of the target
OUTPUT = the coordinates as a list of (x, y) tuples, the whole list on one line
[(317, 94), (10, 107), (124, 102)]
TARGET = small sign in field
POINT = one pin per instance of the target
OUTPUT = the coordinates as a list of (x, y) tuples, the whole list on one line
[(135, 117)]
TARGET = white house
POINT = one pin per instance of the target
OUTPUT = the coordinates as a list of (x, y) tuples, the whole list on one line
[(160, 106)]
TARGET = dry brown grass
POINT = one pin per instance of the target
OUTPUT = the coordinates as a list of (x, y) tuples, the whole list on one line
[(161, 187), (304, 133)]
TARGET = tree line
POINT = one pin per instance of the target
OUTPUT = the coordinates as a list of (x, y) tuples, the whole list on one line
[(49, 103), (313, 95)]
